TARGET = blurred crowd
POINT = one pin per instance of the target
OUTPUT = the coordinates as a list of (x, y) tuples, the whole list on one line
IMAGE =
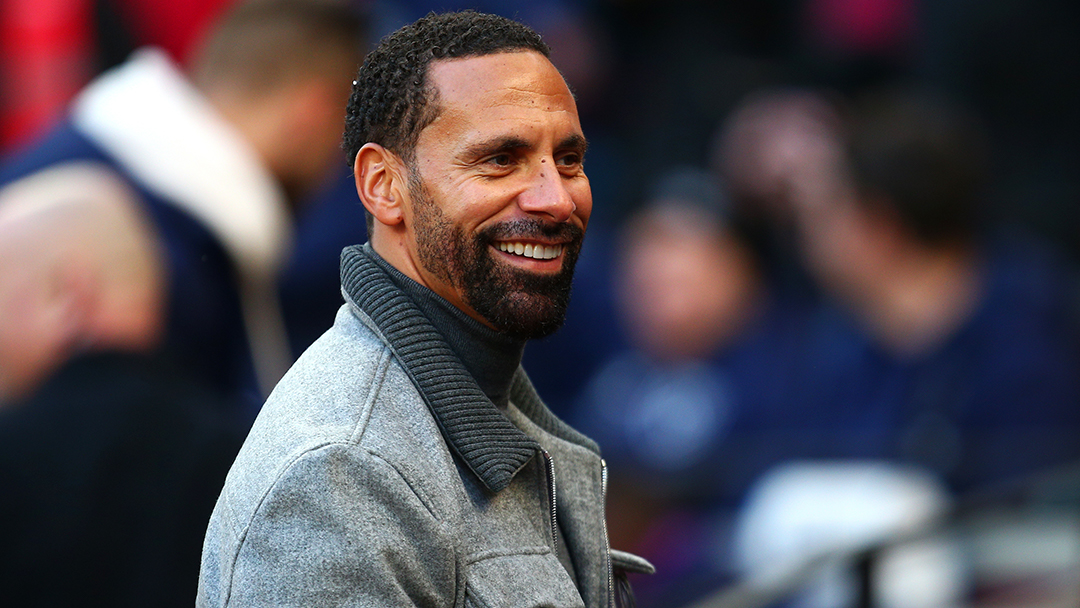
[(828, 296)]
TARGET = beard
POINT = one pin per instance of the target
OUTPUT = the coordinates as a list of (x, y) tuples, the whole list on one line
[(524, 305)]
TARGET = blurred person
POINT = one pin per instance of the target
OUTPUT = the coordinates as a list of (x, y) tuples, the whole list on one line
[(940, 371), (763, 150), (139, 247), (78, 267), (944, 343), (215, 159), (406, 459), (688, 283), (933, 345), (705, 347)]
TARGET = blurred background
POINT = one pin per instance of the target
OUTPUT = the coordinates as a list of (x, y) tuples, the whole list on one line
[(824, 326)]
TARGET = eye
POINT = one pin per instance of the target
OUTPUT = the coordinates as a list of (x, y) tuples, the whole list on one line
[(571, 160), (500, 160)]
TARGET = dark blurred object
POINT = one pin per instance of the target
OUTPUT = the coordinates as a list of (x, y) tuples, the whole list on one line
[(109, 473), (328, 221), (1017, 63)]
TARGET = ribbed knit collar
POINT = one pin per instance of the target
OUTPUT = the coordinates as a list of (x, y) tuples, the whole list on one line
[(492, 447), (490, 357)]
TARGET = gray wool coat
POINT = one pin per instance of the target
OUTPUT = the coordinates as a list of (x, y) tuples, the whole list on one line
[(379, 474)]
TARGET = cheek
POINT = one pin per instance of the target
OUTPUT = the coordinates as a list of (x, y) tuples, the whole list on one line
[(471, 208), (581, 194), (474, 206)]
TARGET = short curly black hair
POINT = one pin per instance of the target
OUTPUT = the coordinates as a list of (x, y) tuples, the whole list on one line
[(392, 100)]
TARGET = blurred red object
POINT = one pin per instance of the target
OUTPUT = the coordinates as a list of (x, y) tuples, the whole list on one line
[(174, 26), (49, 50), (862, 27), (46, 51)]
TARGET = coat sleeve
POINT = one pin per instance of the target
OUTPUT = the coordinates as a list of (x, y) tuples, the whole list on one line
[(339, 527)]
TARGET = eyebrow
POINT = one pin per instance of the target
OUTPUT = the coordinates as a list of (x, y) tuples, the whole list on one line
[(575, 142), (508, 143), (502, 143)]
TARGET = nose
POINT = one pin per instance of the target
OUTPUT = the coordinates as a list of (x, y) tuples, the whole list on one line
[(547, 195)]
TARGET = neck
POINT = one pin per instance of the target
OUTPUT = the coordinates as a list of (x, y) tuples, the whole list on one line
[(259, 120), (923, 298)]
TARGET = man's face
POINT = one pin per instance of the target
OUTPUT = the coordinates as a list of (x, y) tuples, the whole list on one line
[(499, 198)]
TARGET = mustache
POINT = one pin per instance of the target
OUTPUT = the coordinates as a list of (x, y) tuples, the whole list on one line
[(525, 228)]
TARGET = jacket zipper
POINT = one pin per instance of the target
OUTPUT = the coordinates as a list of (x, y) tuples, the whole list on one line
[(551, 499), (603, 502), (607, 541)]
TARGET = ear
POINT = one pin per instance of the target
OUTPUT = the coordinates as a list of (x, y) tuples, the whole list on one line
[(380, 181)]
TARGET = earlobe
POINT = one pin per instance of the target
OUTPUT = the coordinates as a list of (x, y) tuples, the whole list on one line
[(379, 181)]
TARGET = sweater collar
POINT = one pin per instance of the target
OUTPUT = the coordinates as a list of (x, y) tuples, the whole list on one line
[(492, 447), (490, 357)]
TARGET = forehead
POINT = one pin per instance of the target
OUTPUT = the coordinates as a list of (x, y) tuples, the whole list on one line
[(515, 90)]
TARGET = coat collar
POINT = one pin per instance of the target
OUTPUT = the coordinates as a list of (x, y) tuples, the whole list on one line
[(492, 447)]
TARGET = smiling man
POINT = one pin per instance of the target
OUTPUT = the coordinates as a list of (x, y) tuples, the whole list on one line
[(406, 460), (497, 196)]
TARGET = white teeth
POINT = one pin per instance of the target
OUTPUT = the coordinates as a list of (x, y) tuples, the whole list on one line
[(537, 252)]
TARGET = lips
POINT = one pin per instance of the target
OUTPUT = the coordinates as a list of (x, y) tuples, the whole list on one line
[(536, 251), (534, 239)]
